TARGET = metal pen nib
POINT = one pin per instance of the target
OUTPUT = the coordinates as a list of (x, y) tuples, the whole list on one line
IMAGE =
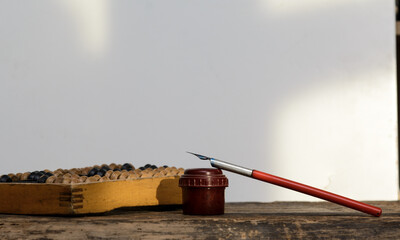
[(225, 165), (200, 156)]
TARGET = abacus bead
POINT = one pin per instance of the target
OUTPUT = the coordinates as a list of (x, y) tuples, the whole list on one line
[(113, 165), (108, 173), (127, 165), (83, 178), (36, 176), (51, 179), (97, 177), (5, 178), (31, 175), (159, 174), (115, 175), (66, 180), (101, 172), (127, 168), (67, 175), (105, 167), (93, 172), (42, 179), (25, 176)]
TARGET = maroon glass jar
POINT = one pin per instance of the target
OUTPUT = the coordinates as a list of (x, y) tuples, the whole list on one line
[(203, 191)]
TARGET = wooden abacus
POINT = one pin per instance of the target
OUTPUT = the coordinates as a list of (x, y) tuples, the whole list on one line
[(94, 189)]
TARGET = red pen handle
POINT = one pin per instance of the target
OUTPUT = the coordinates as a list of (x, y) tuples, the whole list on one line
[(375, 211)]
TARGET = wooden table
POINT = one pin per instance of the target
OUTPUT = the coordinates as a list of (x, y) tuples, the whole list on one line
[(278, 220)]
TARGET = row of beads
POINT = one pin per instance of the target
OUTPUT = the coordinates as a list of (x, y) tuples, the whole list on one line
[(93, 174)]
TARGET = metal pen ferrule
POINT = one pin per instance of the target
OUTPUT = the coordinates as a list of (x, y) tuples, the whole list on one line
[(231, 167)]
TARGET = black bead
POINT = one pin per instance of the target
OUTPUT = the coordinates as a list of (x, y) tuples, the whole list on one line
[(42, 179), (165, 166), (117, 169), (105, 167), (127, 165), (142, 168), (153, 166), (48, 174), (126, 168), (30, 177), (37, 176), (34, 176), (147, 165), (5, 178), (42, 172), (93, 172), (101, 172)]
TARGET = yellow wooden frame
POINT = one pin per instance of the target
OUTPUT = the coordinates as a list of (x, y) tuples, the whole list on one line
[(83, 198)]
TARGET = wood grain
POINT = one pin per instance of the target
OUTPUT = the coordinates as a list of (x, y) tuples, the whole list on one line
[(279, 220), (34, 198)]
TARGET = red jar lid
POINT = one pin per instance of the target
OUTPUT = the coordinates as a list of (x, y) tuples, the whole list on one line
[(203, 177)]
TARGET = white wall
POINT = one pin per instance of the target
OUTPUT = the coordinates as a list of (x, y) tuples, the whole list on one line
[(301, 89)]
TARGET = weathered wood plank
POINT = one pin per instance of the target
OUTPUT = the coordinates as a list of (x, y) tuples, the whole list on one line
[(279, 220)]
